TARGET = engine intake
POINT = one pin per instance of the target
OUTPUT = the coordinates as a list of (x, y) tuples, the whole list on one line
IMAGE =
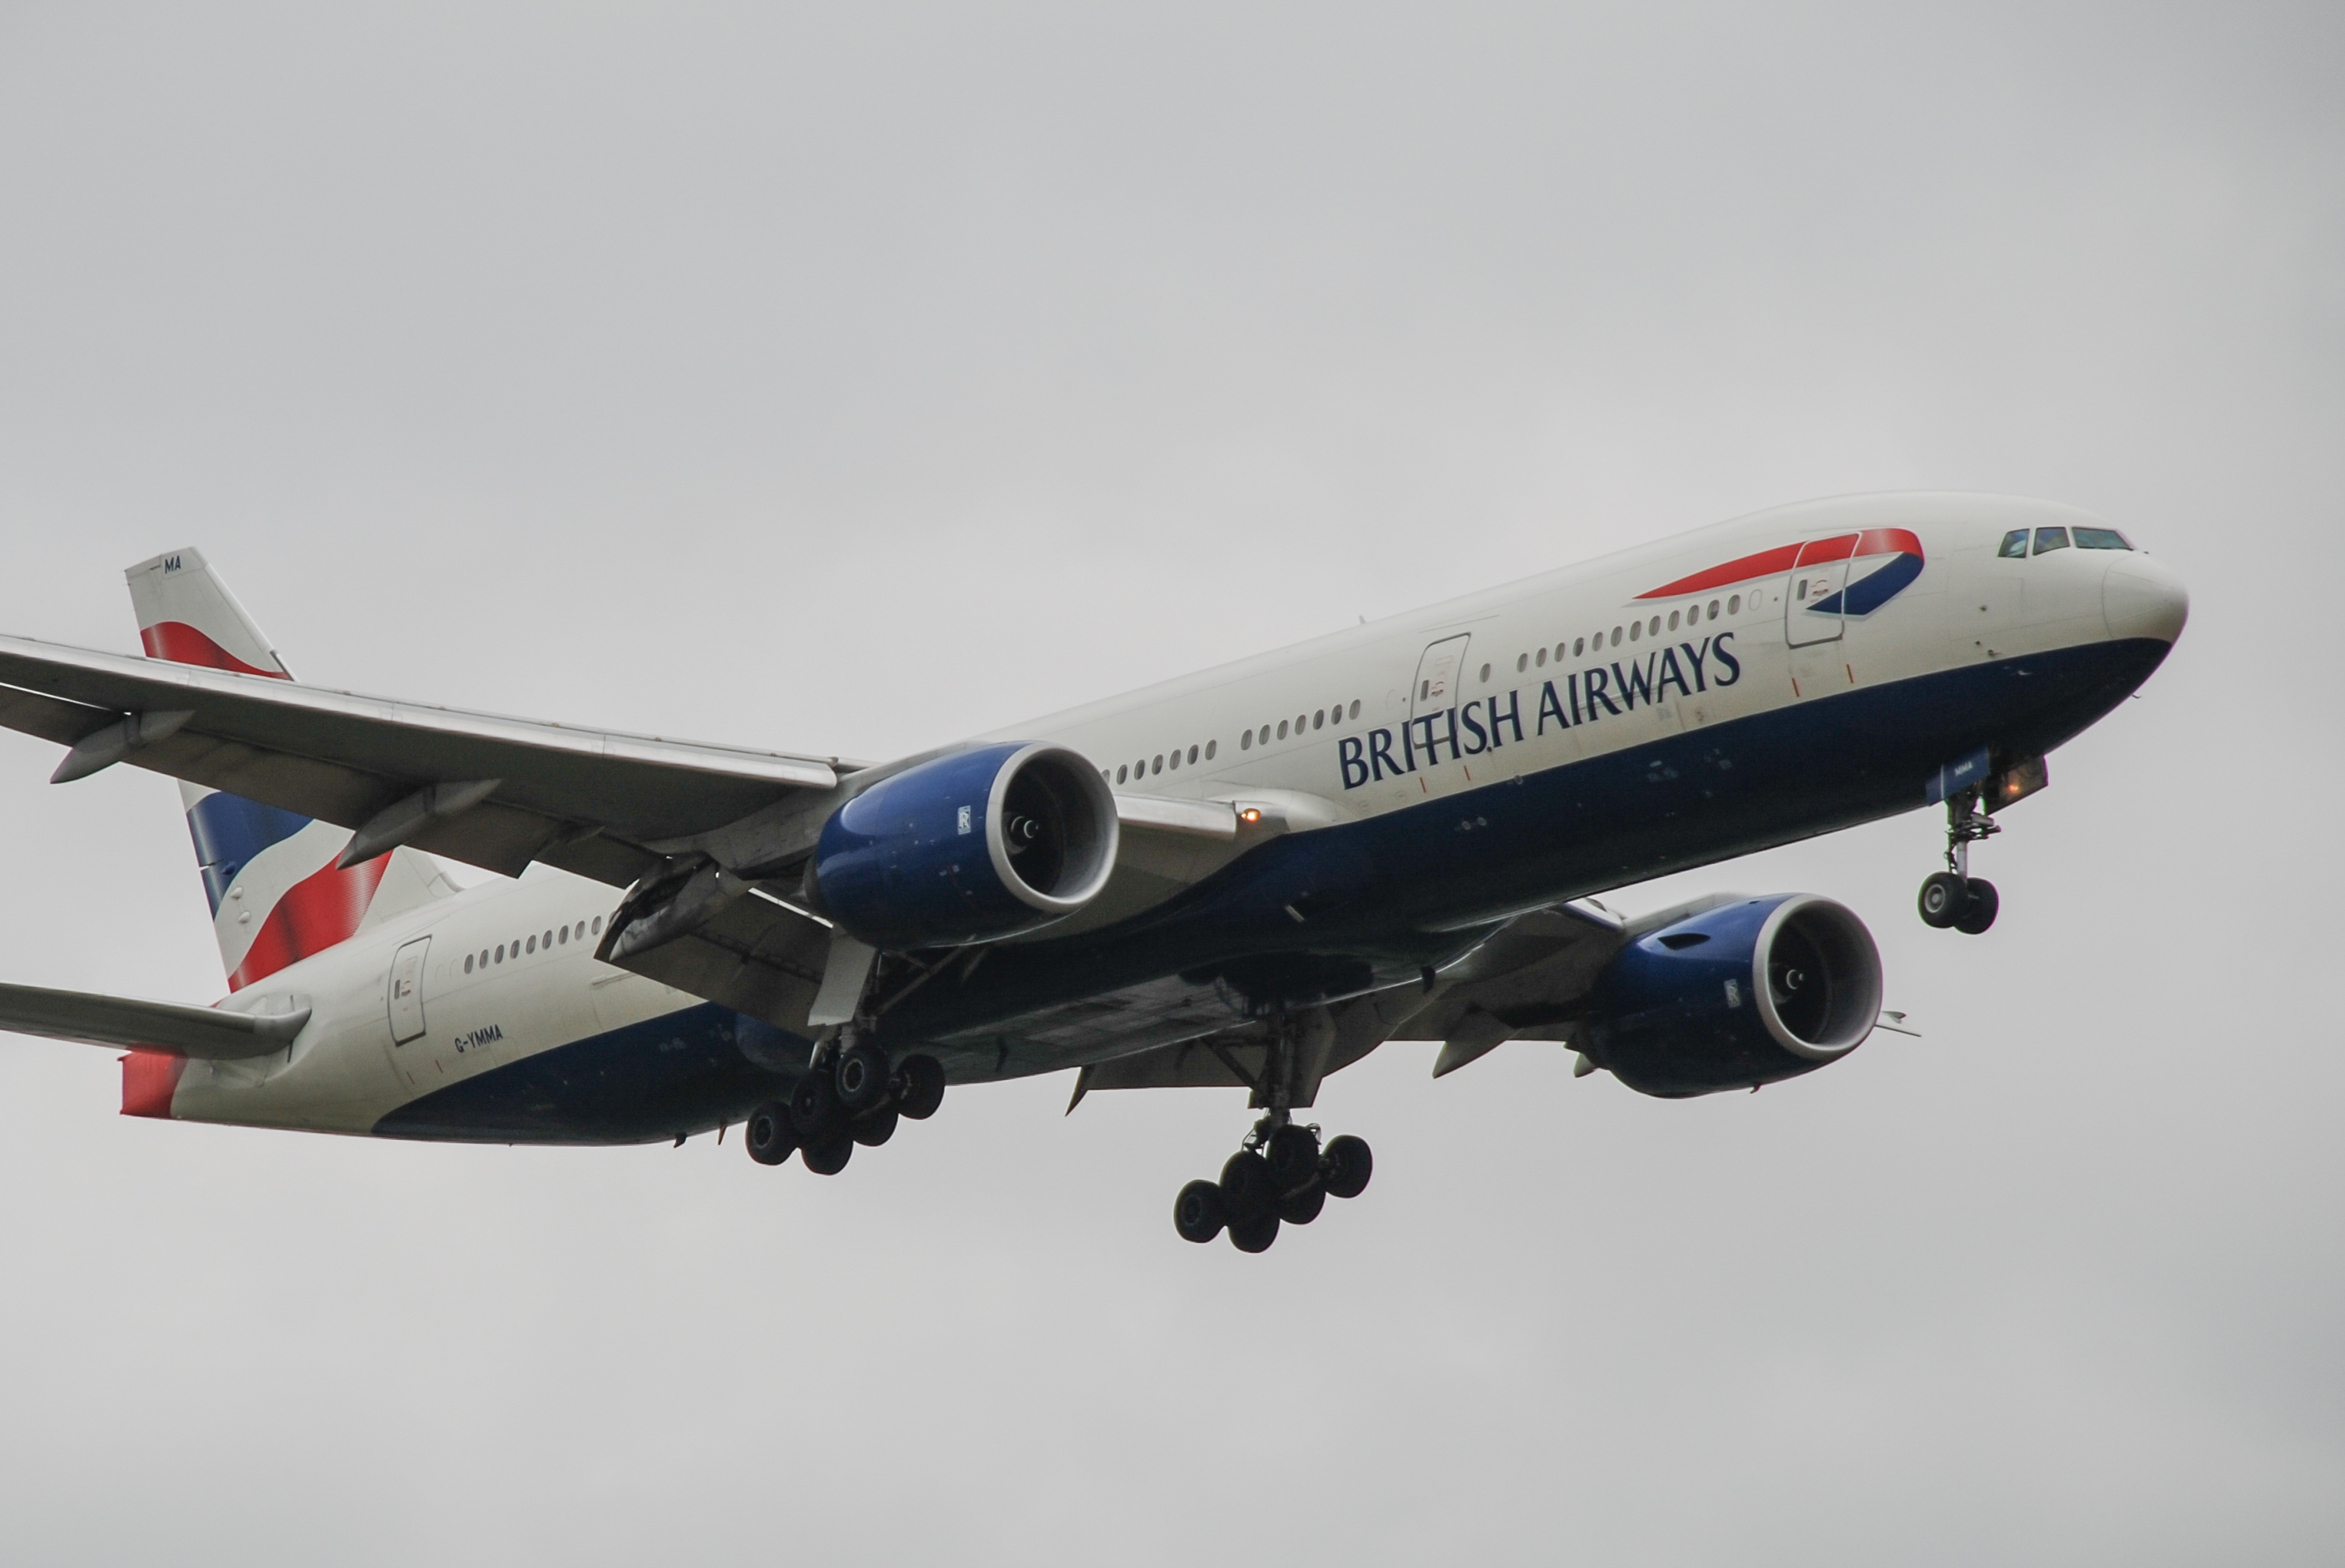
[(1746, 993), (970, 847)]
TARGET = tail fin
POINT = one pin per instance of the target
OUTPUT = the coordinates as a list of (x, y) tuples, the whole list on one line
[(275, 894)]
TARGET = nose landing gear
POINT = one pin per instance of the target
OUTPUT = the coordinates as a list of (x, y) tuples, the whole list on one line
[(1953, 898)]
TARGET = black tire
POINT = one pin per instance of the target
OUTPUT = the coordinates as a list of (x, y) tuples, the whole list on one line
[(1944, 898), (1253, 1235), (814, 1108), (1293, 1155), (767, 1134), (1346, 1166), (1247, 1191), (1302, 1207), (860, 1079), (1980, 912), (919, 1086), (875, 1130), (1198, 1214), (829, 1157)]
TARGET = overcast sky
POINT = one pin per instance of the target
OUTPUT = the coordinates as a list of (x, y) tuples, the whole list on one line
[(850, 379)]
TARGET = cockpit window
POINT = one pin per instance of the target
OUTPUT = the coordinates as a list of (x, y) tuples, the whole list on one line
[(2050, 539), (2014, 545), (2101, 539)]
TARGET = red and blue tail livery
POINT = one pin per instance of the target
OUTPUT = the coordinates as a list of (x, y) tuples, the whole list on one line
[(1245, 879)]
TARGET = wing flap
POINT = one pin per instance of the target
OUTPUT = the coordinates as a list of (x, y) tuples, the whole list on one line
[(170, 1027)]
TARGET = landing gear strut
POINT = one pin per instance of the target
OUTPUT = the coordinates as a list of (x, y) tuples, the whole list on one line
[(1280, 1175), (850, 1094), (1954, 897)]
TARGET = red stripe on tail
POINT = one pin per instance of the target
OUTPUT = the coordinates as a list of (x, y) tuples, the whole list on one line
[(317, 912), (149, 1079), (183, 645)]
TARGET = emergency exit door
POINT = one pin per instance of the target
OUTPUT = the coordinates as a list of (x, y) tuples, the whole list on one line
[(407, 991)]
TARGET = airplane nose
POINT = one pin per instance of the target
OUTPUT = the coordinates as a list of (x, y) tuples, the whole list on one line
[(2143, 598)]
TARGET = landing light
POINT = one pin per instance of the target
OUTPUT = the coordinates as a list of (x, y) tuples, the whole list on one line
[(1251, 813)]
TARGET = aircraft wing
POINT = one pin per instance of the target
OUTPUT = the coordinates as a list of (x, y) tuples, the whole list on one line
[(492, 791), (210, 1034)]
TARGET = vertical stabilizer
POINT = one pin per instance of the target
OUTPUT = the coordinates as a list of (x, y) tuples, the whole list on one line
[(276, 894)]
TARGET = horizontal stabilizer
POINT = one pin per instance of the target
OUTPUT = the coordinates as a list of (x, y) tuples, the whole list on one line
[(169, 1028)]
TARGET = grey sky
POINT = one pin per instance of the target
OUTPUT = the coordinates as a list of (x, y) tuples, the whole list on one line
[(851, 380)]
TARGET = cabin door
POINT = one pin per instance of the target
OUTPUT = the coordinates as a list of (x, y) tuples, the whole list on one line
[(1813, 597)]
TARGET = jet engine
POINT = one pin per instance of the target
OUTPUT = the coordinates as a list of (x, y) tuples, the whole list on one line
[(1742, 995), (979, 845)]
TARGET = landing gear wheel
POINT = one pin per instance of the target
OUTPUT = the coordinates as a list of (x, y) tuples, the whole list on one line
[(1979, 911), (1248, 1194), (767, 1134), (828, 1158), (1292, 1155), (919, 1086), (1253, 1235), (814, 1108), (861, 1077), (1198, 1214), (1944, 898), (1347, 1167), (875, 1130), (1302, 1207)]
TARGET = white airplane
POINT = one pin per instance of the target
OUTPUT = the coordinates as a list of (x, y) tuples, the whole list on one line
[(1248, 877)]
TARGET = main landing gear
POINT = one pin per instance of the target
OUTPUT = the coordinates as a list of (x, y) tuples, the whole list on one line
[(1954, 897), (1280, 1176), (851, 1094)]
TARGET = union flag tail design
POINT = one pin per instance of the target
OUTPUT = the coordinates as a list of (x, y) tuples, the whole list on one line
[(276, 894)]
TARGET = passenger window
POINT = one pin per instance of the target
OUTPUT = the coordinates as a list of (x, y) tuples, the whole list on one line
[(597, 928), (1714, 610), (2101, 539), (1211, 747), (2014, 545), (2048, 540), (1673, 620), (1246, 741), (1656, 627), (1281, 729), (468, 963), (1636, 629), (549, 940), (1522, 663), (1355, 707), (533, 945), (1176, 759), (1558, 653), (1734, 605), (1319, 720), (1615, 636), (1542, 662), (1159, 766), (500, 952), (565, 935), (1486, 681)]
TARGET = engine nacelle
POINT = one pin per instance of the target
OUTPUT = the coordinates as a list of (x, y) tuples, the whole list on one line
[(970, 847), (1738, 996)]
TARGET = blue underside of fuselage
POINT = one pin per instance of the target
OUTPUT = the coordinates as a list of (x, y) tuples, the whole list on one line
[(1380, 898)]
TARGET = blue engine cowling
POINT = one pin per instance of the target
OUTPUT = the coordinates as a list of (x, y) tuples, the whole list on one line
[(970, 847), (1742, 995)]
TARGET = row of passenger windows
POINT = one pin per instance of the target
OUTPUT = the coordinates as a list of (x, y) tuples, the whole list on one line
[(2047, 540), (1637, 631), (560, 936), (1170, 762)]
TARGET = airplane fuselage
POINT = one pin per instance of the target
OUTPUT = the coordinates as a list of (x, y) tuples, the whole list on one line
[(1410, 783)]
